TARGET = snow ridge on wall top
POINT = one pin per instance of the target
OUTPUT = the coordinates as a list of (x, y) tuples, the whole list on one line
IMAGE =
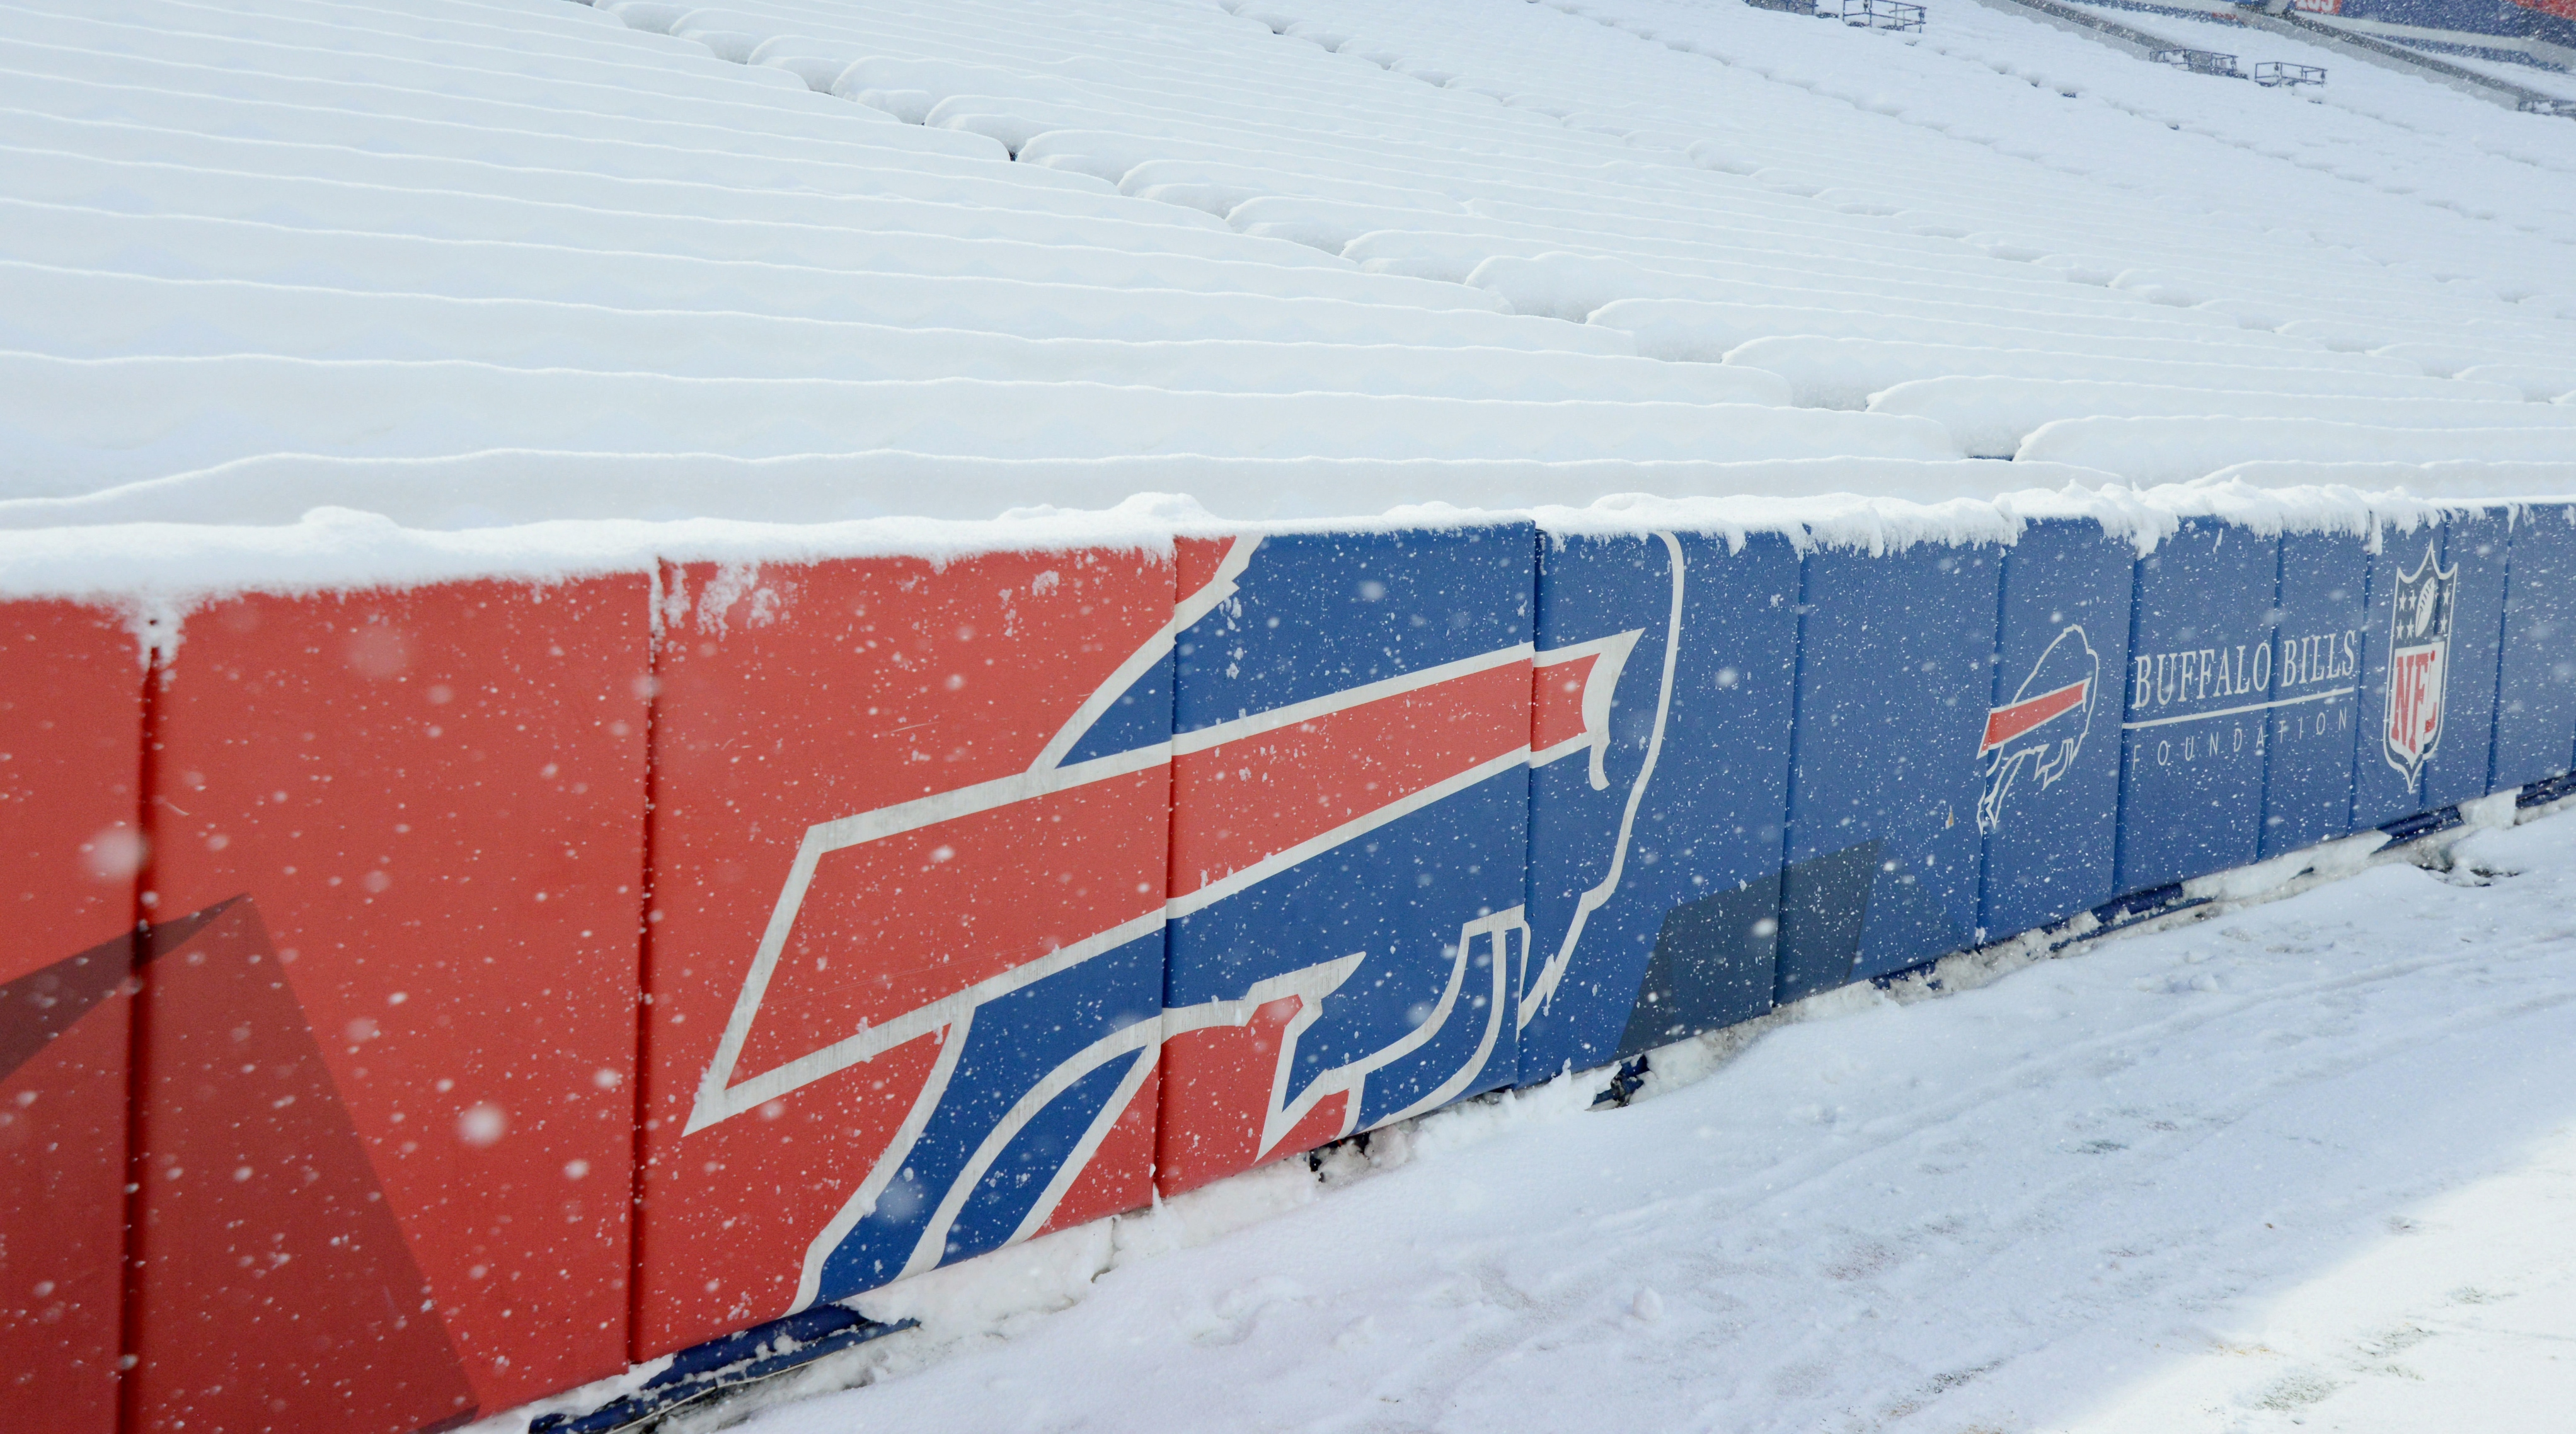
[(163, 570), (491, 262)]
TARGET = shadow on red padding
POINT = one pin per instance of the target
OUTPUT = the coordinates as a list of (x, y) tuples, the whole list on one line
[(273, 1288)]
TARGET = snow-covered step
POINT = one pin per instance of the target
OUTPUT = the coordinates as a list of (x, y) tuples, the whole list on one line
[(761, 122), (1705, 331), (90, 314), (1336, 226), (2407, 329), (1843, 373), (73, 425), (880, 233), (1010, 109), (1575, 286), (1992, 415), (1668, 203), (446, 127), (1451, 247), (323, 41), (70, 237), (2456, 356), (2177, 450), (2541, 383)]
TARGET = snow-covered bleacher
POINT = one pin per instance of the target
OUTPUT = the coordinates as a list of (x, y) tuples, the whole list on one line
[(288, 235)]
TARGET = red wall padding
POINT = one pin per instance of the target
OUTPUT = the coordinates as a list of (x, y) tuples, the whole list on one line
[(388, 1022), (798, 695), (71, 725)]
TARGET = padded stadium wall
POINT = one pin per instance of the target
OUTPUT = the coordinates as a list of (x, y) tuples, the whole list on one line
[(450, 968)]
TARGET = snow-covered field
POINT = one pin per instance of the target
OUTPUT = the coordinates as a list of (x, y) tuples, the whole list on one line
[(2307, 1162)]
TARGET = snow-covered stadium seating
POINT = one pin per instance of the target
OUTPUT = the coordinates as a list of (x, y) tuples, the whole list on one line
[(254, 248)]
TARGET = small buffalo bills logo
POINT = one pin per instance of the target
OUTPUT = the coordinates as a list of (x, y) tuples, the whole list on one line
[(2034, 736), (2419, 666)]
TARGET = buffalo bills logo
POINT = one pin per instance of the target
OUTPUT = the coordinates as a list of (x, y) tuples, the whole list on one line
[(2033, 739), (1660, 722), (2419, 662), (1331, 949), (1570, 718)]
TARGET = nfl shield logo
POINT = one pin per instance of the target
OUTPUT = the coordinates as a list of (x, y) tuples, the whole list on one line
[(2419, 665)]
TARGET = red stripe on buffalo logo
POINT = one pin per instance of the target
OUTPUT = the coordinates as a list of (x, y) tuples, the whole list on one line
[(2003, 724), (1556, 701), (1242, 802)]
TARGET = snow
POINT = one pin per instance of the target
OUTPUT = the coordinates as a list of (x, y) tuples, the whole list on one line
[(2176, 449), (484, 264), (2538, 382), (220, 407), (1846, 372), (251, 239), (1991, 415), (2458, 478), (497, 487), (1706, 331), (2299, 1160), (160, 571)]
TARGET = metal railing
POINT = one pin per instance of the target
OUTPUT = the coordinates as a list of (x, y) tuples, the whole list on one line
[(2277, 72), (2200, 62), (1882, 14)]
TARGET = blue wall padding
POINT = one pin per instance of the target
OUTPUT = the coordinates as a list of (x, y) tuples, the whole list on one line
[(1654, 874), (1371, 897), (2049, 764), (1313, 616), (1141, 717), (2200, 672), (1013, 1043), (1316, 614), (2536, 683), (2437, 597), (1893, 681), (2316, 682)]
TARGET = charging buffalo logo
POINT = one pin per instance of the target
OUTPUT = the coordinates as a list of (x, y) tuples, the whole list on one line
[(1002, 970), (2037, 734), (2419, 666)]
